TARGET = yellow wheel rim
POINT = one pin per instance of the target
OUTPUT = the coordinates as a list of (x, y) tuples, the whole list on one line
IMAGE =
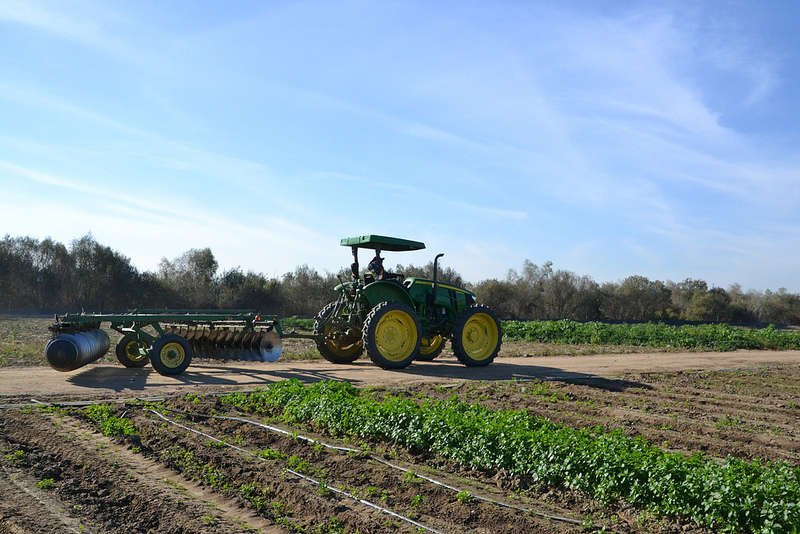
[(341, 347), (132, 351), (480, 336), (396, 335), (172, 355), (429, 345)]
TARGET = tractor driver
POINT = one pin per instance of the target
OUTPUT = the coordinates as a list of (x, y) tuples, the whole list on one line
[(376, 267)]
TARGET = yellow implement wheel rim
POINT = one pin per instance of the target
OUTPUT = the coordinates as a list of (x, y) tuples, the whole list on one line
[(480, 336), (429, 345), (341, 347), (132, 351), (172, 355), (396, 335)]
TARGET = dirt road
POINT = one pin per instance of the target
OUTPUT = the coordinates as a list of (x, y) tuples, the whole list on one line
[(108, 380)]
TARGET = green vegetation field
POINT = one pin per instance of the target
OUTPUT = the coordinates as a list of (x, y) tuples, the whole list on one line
[(712, 337), (733, 495)]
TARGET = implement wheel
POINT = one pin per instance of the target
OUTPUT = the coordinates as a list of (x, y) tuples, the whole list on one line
[(128, 352), (335, 345), (171, 354), (391, 335), (477, 336), (430, 348)]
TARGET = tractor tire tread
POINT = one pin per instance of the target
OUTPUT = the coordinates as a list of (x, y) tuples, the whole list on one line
[(323, 349), (459, 327), (155, 359), (122, 355), (371, 323)]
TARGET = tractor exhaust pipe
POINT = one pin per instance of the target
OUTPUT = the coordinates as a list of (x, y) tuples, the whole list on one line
[(68, 352), (435, 279)]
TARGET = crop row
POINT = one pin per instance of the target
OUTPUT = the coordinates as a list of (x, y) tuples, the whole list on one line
[(707, 337), (732, 496)]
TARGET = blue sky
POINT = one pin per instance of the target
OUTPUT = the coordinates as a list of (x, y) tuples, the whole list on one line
[(612, 138)]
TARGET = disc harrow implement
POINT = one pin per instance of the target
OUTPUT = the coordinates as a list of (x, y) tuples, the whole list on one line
[(168, 339), (228, 342)]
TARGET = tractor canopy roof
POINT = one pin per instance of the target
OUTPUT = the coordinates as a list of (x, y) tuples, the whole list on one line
[(392, 244)]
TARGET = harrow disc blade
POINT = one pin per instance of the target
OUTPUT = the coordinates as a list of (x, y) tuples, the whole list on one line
[(270, 347)]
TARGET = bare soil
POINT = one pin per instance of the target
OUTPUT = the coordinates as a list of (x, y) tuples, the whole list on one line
[(101, 485), (167, 479), (145, 483), (68, 479)]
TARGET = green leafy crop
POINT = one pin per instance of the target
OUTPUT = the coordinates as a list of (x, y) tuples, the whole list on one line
[(46, 484), (719, 337), (728, 496), (110, 424)]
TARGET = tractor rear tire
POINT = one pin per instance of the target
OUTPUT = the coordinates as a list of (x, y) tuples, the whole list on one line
[(391, 335), (170, 355), (127, 351), (477, 336), (430, 348), (332, 350)]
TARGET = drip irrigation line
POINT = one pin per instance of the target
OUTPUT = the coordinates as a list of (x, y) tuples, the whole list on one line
[(90, 402), (12, 478), (302, 476), (382, 461), (80, 403)]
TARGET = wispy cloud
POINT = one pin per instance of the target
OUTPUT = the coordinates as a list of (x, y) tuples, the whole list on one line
[(270, 240), (612, 127), (418, 192), (161, 150), (90, 29)]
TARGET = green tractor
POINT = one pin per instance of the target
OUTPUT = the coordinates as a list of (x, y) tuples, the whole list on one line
[(398, 319)]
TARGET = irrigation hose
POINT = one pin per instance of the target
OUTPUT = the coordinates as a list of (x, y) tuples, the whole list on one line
[(23, 488), (315, 441), (80, 403), (302, 476), (382, 461)]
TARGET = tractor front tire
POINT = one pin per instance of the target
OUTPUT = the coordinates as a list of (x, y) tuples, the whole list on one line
[(477, 336), (334, 350), (128, 354), (171, 354), (391, 335), (430, 348)]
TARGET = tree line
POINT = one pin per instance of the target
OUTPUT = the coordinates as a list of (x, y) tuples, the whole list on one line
[(47, 276)]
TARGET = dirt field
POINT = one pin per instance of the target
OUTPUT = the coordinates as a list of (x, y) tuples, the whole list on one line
[(168, 479), (59, 473)]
